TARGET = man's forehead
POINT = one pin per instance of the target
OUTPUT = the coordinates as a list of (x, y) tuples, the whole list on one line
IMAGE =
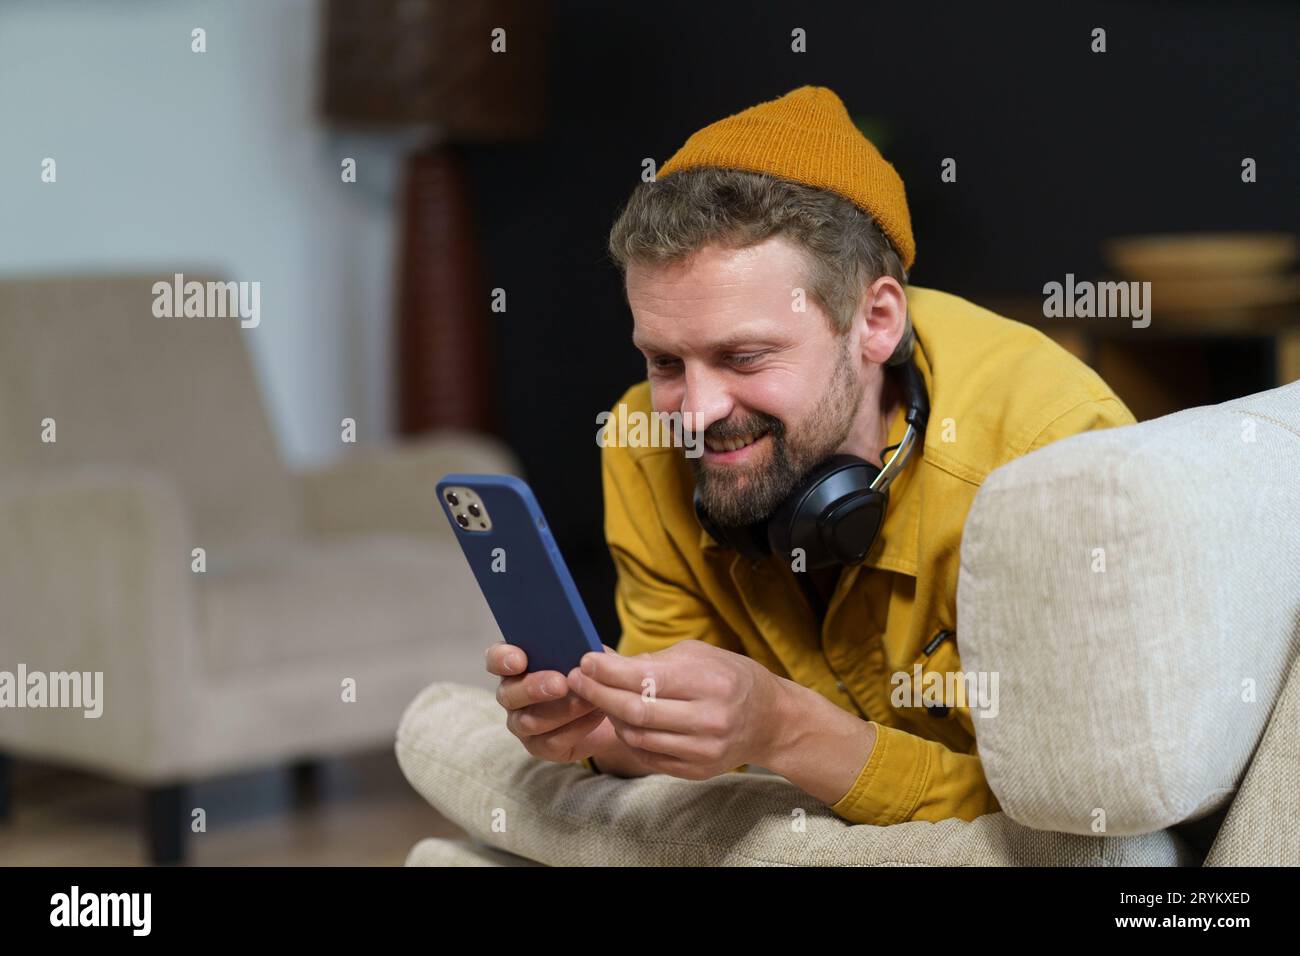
[(713, 307)]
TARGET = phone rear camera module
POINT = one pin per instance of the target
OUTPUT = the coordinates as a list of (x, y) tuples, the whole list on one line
[(465, 506)]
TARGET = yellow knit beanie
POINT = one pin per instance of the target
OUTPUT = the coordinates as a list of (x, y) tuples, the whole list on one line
[(807, 136)]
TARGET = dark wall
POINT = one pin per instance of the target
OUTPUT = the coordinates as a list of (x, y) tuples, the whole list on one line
[(1057, 148)]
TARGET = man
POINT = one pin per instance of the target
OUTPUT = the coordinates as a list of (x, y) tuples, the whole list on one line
[(766, 271)]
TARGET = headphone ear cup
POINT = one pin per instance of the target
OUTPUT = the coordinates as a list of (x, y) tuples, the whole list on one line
[(849, 529), (833, 516), (841, 535)]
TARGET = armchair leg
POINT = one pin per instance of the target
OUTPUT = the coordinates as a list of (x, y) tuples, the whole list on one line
[(166, 823), (306, 777), (6, 786)]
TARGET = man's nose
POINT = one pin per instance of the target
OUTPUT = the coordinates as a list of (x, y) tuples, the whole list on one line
[(705, 400)]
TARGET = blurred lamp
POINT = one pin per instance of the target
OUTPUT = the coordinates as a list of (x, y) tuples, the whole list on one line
[(467, 72)]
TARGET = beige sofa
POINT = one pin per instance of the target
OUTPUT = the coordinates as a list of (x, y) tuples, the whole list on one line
[(1149, 691), (346, 574)]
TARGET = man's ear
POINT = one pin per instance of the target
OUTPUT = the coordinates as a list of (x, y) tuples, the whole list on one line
[(883, 310)]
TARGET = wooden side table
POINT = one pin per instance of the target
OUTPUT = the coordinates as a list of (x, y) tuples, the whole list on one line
[(1170, 364)]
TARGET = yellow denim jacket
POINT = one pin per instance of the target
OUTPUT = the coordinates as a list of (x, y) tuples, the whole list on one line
[(998, 390)]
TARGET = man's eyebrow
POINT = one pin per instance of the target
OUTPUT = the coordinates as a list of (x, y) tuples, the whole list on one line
[(733, 342), (728, 344)]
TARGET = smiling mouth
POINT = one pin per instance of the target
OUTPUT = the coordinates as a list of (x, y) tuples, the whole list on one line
[(724, 445)]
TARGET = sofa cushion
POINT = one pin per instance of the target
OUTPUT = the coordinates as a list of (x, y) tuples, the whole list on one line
[(1262, 827), (277, 604), (454, 748), (1137, 592), (436, 851)]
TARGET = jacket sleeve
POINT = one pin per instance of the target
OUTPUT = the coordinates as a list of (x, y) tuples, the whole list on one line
[(1085, 417), (911, 778)]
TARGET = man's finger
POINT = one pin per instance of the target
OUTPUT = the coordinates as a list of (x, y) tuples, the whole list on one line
[(663, 677), (561, 744), (516, 692), (633, 707), (686, 747), (538, 719), (505, 660)]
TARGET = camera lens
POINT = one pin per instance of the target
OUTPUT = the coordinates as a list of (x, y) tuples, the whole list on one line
[(475, 510), (453, 499), (462, 520)]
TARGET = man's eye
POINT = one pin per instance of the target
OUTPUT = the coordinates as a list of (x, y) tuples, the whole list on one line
[(663, 363), (746, 358)]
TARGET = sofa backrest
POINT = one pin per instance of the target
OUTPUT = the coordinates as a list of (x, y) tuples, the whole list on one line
[(1137, 591), (124, 386)]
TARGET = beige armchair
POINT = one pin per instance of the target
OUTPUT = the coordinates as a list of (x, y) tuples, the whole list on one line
[(324, 600)]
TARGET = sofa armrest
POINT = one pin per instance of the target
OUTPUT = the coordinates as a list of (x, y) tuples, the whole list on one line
[(95, 577), (392, 489), (456, 751), (1138, 611)]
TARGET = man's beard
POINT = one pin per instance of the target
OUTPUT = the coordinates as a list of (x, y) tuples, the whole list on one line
[(735, 497)]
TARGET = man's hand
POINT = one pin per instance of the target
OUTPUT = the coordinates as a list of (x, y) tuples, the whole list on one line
[(552, 722), (692, 710)]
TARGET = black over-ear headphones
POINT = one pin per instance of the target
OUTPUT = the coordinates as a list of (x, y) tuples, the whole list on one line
[(835, 514)]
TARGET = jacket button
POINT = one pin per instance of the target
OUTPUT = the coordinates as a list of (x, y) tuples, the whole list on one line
[(840, 684)]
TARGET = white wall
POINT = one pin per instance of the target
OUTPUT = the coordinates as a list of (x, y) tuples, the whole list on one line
[(218, 161)]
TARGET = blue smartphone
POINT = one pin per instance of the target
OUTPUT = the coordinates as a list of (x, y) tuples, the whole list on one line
[(519, 569)]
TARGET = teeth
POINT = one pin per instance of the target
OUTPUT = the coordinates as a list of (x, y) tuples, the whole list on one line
[(733, 444)]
